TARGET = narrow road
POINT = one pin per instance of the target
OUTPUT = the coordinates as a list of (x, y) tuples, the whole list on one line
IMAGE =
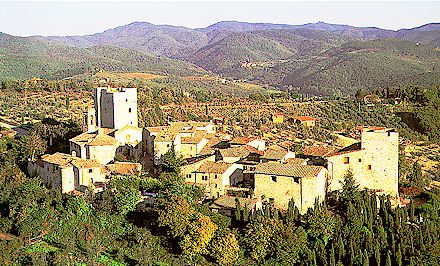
[(20, 131)]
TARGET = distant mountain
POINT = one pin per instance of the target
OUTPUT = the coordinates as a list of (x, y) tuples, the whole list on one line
[(318, 57), (165, 40), (24, 57)]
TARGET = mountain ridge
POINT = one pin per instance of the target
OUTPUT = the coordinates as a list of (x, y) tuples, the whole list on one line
[(280, 55)]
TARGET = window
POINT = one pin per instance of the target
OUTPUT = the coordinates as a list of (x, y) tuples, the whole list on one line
[(188, 175), (90, 170), (129, 110), (215, 176), (296, 180), (126, 100), (274, 178), (215, 185), (252, 168), (346, 160), (360, 160), (369, 167)]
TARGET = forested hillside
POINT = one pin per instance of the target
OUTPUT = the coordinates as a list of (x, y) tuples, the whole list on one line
[(25, 57), (319, 58)]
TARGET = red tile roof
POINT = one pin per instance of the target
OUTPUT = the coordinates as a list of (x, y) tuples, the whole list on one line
[(305, 118)]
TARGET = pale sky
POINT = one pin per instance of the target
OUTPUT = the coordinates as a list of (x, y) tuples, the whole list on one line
[(80, 18)]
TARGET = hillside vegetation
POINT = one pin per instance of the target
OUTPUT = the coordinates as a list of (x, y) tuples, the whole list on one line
[(32, 56), (317, 58)]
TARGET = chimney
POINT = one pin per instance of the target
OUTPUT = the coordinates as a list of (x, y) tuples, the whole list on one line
[(100, 131)]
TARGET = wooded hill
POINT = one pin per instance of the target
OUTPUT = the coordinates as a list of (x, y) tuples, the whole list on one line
[(319, 58)]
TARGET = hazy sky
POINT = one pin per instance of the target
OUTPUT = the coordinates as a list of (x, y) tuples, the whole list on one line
[(79, 18)]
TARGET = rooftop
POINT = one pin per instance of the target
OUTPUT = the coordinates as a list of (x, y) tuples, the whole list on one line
[(124, 168), (319, 150), (241, 151), (272, 154), (94, 139), (305, 118), (214, 167), (66, 160), (288, 169)]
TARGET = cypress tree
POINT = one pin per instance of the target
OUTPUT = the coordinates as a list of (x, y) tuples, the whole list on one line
[(388, 260), (237, 210), (377, 254), (366, 260), (332, 259)]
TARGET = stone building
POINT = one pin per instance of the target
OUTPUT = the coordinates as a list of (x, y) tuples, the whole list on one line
[(129, 140), (115, 107), (187, 139), (94, 145), (374, 162), (284, 181), (67, 172), (215, 177)]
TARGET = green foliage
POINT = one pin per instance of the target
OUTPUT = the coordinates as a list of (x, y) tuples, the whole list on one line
[(125, 193), (225, 249), (171, 163)]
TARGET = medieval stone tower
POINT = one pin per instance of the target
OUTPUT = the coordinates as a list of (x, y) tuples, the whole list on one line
[(381, 158), (116, 107), (89, 122), (374, 162)]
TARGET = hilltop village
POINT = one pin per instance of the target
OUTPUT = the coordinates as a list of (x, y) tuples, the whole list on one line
[(228, 168)]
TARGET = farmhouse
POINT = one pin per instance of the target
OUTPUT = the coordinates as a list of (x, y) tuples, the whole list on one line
[(307, 121), (278, 118)]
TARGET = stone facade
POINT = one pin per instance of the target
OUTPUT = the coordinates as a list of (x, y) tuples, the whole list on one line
[(282, 182), (129, 140), (374, 162), (94, 145), (215, 177), (116, 107), (66, 172)]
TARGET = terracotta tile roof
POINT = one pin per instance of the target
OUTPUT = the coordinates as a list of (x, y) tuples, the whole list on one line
[(242, 151), (319, 150), (94, 139), (124, 168), (129, 127), (271, 154), (226, 201), (241, 140), (214, 167), (296, 161), (305, 118), (287, 169), (66, 160), (157, 129), (278, 114), (198, 136), (102, 140)]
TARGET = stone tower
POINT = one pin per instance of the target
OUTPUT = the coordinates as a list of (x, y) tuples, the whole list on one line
[(89, 121), (374, 162), (381, 158), (116, 107)]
